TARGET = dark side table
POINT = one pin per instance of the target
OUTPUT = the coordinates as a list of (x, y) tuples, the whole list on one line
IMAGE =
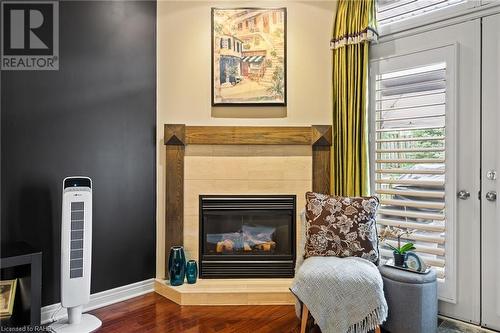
[(20, 261)]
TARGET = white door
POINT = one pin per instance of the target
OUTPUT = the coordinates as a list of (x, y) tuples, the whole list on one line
[(490, 165), (425, 148)]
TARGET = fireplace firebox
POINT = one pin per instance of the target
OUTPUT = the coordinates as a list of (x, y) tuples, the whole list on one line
[(247, 236)]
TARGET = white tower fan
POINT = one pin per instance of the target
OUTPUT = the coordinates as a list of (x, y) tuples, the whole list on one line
[(76, 254)]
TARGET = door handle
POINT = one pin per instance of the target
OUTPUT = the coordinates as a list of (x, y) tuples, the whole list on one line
[(463, 194), (491, 196)]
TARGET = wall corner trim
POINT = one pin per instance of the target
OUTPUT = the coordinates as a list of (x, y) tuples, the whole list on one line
[(101, 299)]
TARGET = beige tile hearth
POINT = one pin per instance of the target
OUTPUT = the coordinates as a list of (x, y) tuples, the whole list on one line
[(229, 292)]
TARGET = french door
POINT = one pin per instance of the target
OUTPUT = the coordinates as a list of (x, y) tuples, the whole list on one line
[(490, 178), (426, 152)]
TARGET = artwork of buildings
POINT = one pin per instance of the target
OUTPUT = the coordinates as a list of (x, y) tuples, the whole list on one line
[(249, 56)]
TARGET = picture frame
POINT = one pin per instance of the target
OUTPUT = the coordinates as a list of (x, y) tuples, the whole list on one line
[(249, 56), (7, 297)]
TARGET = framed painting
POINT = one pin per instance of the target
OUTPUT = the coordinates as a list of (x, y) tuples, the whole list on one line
[(248, 56), (7, 296)]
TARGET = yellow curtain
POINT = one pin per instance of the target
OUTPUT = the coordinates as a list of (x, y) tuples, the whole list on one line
[(354, 28)]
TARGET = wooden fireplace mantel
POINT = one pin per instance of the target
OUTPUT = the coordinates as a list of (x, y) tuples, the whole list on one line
[(317, 135), (177, 136)]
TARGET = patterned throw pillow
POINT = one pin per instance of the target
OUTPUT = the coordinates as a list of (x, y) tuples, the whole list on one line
[(341, 226)]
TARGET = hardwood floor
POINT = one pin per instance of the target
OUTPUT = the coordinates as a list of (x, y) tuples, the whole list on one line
[(154, 313)]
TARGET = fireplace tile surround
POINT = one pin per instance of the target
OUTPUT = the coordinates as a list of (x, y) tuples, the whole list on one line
[(216, 160), (236, 170)]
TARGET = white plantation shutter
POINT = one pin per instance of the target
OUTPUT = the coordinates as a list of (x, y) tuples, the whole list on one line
[(390, 11), (410, 157)]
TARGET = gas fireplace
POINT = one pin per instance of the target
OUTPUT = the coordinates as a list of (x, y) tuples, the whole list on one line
[(247, 236)]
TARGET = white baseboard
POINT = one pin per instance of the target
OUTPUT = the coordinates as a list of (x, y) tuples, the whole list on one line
[(103, 298)]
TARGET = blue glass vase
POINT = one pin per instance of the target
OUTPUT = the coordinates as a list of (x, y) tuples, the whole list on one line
[(176, 265), (191, 271)]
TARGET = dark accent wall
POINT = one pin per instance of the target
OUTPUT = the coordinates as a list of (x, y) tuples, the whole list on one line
[(95, 117)]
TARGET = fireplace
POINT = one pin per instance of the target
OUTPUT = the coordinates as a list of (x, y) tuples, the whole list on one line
[(247, 236)]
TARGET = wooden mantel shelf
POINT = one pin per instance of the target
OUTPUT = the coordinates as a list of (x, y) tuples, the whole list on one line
[(177, 136), (317, 135)]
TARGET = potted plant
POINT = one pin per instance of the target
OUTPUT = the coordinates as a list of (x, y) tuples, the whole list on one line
[(400, 251)]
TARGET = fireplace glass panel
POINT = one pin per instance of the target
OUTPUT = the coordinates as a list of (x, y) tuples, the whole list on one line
[(245, 232)]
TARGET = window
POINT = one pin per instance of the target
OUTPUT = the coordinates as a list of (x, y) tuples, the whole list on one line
[(390, 11), (255, 65), (225, 43), (410, 157)]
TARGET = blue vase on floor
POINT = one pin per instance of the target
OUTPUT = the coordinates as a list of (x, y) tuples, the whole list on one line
[(191, 271), (176, 265)]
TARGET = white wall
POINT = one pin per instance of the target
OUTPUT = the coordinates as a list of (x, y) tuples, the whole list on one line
[(184, 75)]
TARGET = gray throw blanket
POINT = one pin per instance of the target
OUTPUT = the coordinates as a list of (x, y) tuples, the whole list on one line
[(344, 295)]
